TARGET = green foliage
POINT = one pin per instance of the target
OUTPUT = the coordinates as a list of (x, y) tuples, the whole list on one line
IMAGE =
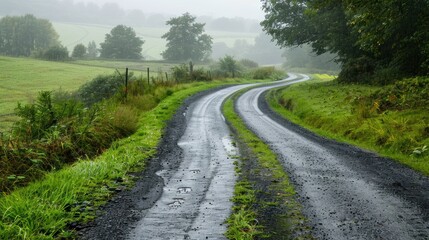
[(394, 32), (182, 73), (20, 36), (247, 63), (54, 132), (100, 88), (121, 43), (406, 94), (54, 53), (392, 35), (186, 40), (92, 50), (267, 73), (229, 66), (357, 70), (79, 51)]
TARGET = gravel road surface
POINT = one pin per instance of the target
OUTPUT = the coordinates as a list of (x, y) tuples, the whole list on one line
[(347, 193)]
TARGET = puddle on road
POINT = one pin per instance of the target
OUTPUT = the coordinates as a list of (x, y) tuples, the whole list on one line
[(177, 202), (229, 146), (184, 190)]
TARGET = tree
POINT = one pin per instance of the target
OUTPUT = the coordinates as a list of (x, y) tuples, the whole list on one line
[(372, 39), (394, 31), (56, 53), (92, 50), (121, 43), (186, 40), (79, 51), (20, 36), (229, 65)]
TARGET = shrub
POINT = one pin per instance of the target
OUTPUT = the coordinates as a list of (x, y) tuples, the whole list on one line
[(248, 63), (55, 53), (181, 72), (100, 88), (357, 70), (54, 132), (405, 94), (267, 73), (79, 51), (200, 74)]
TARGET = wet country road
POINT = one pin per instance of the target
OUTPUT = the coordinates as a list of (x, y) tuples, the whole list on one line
[(347, 193), (195, 200), (196, 196), (185, 190)]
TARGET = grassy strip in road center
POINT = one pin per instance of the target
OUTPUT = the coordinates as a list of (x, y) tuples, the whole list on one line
[(265, 203), (47, 209)]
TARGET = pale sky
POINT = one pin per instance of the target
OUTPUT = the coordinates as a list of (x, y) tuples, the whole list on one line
[(216, 8)]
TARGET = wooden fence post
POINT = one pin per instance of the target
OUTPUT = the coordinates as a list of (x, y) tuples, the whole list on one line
[(148, 83), (126, 83)]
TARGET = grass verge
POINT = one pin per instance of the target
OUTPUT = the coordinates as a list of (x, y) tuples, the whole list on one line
[(341, 112), (264, 199), (47, 209)]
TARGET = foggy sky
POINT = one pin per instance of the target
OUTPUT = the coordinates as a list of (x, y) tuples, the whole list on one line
[(216, 8)]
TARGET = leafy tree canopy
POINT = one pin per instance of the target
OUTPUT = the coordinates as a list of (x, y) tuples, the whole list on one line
[(186, 40), (121, 43), (79, 51), (20, 36), (370, 37), (92, 50), (228, 64)]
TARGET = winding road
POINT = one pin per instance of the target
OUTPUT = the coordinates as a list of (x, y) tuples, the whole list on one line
[(185, 192), (347, 193)]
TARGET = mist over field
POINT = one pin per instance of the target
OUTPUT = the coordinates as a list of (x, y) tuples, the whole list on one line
[(220, 8), (234, 25)]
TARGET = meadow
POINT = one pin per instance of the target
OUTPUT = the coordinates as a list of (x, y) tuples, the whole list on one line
[(22, 78)]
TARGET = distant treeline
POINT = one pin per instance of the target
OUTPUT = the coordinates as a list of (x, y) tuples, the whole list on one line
[(111, 13)]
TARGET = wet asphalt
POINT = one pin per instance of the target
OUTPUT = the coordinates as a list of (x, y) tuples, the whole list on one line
[(346, 192)]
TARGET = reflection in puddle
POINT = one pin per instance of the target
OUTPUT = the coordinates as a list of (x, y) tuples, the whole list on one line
[(184, 190), (177, 202)]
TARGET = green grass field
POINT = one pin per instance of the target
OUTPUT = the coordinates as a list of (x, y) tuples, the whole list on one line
[(22, 78), (74, 33)]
